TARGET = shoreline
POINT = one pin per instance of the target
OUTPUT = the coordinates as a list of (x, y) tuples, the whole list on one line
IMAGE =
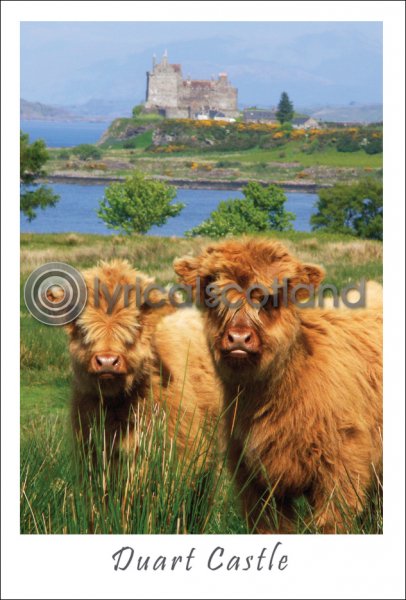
[(191, 184)]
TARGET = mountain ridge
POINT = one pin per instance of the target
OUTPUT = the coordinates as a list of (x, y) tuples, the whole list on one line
[(106, 110)]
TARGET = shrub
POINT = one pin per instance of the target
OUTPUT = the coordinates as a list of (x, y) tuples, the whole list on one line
[(87, 151), (137, 204), (261, 209), (346, 143), (130, 143), (95, 166), (374, 146), (355, 209), (227, 164), (72, 239), (137, 110)]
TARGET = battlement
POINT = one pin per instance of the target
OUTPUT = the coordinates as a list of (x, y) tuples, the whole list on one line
[(171, 95)]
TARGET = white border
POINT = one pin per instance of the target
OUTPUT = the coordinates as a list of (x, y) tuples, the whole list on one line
[(319, 566)]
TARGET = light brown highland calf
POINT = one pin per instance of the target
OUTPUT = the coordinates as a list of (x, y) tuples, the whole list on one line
[(302, 387), (136, 358)]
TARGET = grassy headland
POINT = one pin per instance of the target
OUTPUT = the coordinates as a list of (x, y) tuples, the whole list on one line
[(218, 151)]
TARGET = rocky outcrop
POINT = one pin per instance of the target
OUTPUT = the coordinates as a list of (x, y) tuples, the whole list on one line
[(123, 129)]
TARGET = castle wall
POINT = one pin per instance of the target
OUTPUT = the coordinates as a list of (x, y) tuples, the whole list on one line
[(197, 95), (177, 113)]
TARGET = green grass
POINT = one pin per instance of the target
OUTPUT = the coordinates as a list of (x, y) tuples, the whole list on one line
[(140, 142), (328, 157), (143, 140), (57, 495), (291, 152)]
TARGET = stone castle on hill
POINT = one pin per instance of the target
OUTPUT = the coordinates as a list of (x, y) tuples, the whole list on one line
[(174, 97)]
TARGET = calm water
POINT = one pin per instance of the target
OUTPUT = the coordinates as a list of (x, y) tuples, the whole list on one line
[(76, 211), (64, 134)]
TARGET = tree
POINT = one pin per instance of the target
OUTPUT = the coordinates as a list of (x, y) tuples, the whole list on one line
[(285, 111), (261, 209), (137, 204), (356, 209), (32, 159), (87, 151)]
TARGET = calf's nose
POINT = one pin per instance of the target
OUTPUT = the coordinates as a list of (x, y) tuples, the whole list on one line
[(238, 336), (106, 362)]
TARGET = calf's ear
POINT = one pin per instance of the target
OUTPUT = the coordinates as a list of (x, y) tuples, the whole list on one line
[(312, 274), (70, 328), (306, 281), (188, 270)]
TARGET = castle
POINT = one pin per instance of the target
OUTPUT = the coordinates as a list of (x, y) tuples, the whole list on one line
[(174, 97)]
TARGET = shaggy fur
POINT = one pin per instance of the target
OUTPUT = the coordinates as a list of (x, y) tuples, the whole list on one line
[(304, 399), (373, 297), (163, 362)]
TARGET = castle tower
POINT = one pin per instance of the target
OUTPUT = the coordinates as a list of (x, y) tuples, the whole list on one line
[(162, 85)]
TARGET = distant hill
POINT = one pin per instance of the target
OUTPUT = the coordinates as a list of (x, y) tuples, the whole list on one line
[(103, 110), (352, 113), (107, 110), (43, 112), (93, 110)]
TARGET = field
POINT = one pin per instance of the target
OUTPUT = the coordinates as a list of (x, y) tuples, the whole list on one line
[(292, 165), (56, 495)]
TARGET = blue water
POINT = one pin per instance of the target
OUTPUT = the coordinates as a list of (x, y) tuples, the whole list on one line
[(76, 211), (64, 134)]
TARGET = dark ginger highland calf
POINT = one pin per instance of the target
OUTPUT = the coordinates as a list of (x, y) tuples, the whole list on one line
[(137, 358), (302, 386)]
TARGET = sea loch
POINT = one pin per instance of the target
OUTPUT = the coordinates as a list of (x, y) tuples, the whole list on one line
[(78, 204)]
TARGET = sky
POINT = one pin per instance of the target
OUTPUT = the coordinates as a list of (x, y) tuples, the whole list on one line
[(317, 63)]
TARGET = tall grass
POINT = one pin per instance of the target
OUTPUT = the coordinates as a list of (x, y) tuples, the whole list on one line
[(88, 486), (70, 486), (153, 490)]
